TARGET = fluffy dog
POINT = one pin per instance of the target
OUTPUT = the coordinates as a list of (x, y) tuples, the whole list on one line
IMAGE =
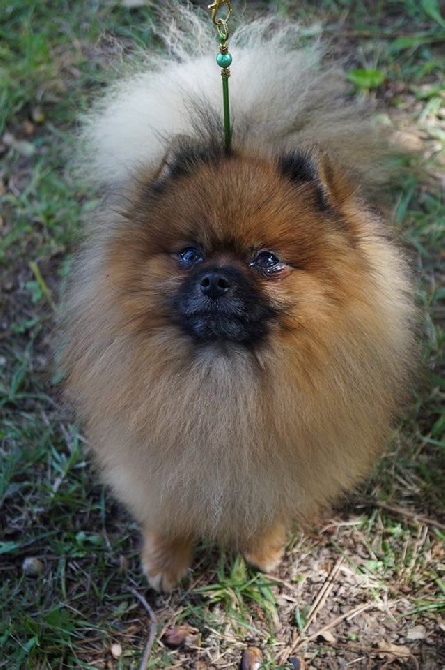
[(238, 335)]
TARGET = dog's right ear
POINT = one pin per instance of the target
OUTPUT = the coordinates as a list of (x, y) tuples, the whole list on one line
[(183, 157), (316, 166)]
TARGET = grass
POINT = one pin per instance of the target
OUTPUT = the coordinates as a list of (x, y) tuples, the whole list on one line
[(68, 604)]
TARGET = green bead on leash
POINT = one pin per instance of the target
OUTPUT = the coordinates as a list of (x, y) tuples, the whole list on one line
[(224, 60)]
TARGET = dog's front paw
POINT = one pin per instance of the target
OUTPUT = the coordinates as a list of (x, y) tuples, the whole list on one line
[(165, 560), (266, 551)]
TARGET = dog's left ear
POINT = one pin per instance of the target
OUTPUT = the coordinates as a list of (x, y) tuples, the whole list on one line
[(334, 186)]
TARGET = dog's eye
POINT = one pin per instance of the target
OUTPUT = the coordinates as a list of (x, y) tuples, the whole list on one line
[(267, 262), (189, 256)]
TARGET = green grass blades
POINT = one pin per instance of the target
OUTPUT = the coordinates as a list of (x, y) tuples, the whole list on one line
[(239, 592), (372, 574)]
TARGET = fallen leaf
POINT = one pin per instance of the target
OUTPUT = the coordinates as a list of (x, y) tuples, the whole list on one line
[(366, 78), (327, 636), (416, 633), (182, 635)]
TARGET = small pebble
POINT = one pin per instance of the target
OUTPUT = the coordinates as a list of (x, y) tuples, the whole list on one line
[(25, 148), (8, 139), (32, 567), (116, 650), (252, 659), (38, 115), (28, 128)]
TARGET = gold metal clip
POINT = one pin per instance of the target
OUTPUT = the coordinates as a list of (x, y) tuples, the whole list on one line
[(215, 7)]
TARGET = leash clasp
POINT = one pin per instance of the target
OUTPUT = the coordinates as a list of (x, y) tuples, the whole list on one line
[(221, 23)]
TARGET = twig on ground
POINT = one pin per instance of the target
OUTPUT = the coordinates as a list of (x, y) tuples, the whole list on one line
[(323, 593), (391, 650), (300, 641), (318, 603), (400, 511), (152, 634), (422, 535), (347, 615)]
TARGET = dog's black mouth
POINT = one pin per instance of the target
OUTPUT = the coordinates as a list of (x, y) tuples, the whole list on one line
[(236, 313), (211, 325)]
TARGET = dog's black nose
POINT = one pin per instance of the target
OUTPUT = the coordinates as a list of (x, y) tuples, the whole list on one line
[(214, 284)]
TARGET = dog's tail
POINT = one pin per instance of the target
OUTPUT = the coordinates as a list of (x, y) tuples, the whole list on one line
[(282, 97)]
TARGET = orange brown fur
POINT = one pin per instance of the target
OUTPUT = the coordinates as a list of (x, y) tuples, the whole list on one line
[(221, 440)]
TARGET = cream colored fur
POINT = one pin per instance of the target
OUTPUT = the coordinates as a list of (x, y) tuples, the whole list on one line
[(280, 95)]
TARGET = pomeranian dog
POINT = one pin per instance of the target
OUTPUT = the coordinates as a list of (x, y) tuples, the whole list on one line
[(239, 325)]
